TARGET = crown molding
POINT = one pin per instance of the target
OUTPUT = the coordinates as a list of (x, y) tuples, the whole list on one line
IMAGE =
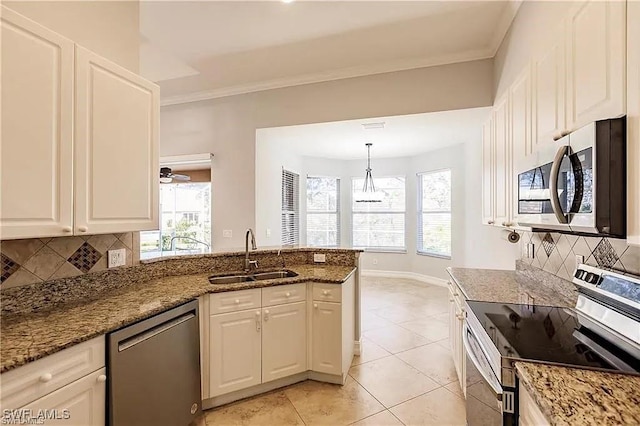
[(506, 19), (339, 74)]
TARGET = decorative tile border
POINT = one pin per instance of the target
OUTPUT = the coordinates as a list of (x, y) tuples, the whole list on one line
[(556, 253), (32, 261)]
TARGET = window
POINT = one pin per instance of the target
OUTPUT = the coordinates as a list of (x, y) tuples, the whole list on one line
[(380, 225), (434, 216), (323, 211), (290, 208), (185, 218)]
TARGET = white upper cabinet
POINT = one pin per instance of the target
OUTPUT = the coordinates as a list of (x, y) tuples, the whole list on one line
[(520, 118), (116, 148), (548, 69), (487, 174), (633, 123), (37, 130), (73, 164), (595, 62), (502, 158)]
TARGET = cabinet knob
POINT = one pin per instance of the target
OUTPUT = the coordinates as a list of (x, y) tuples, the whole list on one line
[(237, 301), (456, 294), (67, 229), (102, 378), (450, 300), (325, 292), (491, 222), (83, 228), (287, 294), (257, 313), (315, 305), (266, 315), (46, 377)]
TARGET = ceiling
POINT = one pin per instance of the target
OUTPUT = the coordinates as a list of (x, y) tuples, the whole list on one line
[(207, 49), (402, 136)]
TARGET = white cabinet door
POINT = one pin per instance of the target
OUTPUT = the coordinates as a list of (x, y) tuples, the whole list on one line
[(235, 352), (116, 148), (37, 130), (487, 173), (633, 123), (595, 62), (520, 120), (548, 91), (81, 403), (502, 165), (284, 340), (326, 352)]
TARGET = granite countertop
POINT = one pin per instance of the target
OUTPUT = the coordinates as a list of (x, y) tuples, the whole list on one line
[(574, 396), (493, 285), (28, 337)]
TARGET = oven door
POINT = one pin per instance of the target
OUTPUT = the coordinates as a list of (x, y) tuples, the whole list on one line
[(483, 390)]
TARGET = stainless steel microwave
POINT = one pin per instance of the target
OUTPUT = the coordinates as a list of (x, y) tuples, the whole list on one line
[(578, 183)]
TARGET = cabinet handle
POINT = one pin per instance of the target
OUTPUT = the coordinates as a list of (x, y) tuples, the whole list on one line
[(67, 229), (460, 316), (102, 378), (237, 301), (266, 315), (46, 377), (258, 321), (456, 294), (491, 222), (315, 305), (288, 294), (83, 228)]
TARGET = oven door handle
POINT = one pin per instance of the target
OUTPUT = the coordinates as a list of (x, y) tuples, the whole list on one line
[(553, 184), (491, 380)]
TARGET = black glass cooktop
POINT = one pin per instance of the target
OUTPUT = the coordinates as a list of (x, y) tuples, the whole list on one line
[(548, 334)]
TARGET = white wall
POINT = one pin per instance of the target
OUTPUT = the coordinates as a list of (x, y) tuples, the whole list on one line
[(473, 244), (227, 126), (108, 28)]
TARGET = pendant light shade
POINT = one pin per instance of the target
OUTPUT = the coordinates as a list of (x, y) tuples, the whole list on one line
[(369, 193)]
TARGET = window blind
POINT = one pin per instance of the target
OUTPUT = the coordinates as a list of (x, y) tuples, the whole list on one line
[(290, 230), (380, 225), (434, 215), (323, 211)]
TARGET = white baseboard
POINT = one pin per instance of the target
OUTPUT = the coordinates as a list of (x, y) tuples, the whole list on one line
[(357, 348), (407, 275)]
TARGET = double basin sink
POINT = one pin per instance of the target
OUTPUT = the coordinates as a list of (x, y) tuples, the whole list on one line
[(241, 277)]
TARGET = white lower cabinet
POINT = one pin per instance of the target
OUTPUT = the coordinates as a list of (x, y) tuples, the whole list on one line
[(284, 340), (326, 342), (529, 412), (235, 352), (456, 330), (80, 403)]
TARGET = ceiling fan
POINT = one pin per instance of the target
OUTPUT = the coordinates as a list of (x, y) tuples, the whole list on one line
[(166, 176)]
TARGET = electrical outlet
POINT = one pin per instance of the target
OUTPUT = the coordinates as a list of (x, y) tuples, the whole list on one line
[(579, 259), (268, 232), (227, 233), (529, 251), (117, 258), (375, 261), (319, 257)]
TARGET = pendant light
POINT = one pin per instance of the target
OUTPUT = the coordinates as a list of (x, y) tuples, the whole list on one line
[(369, 193)]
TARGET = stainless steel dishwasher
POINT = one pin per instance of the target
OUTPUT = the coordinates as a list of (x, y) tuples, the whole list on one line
[(154, 370)]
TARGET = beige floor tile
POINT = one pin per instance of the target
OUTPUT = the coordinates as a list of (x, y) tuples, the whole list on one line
[(399, 313), (396, 339), (327, 404), (391, 381), (384, 418), (444, 317), (369, 352), (445, 343), (439, 407), (428, 327), (455, 388), (433, 360), (269, 409), (371, 321)]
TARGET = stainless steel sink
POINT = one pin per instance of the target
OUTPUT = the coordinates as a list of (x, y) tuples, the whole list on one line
[(256, 276), (274, 275)]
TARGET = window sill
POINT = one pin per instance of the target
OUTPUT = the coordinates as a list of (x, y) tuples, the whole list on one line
[(383, 250), (437, 256)]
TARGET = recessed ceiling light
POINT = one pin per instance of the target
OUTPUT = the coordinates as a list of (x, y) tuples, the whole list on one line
[(371, 126)]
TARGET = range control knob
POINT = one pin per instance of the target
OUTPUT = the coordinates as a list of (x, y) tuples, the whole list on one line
[(592, 278), (578, 273)]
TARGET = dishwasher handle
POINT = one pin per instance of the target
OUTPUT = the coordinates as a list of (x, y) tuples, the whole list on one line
[(132, 341)]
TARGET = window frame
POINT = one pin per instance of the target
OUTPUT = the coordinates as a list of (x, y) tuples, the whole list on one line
[(336, 212), (380, 249), (419, 234)]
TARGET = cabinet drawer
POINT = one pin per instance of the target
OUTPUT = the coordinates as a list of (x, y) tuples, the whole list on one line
[(27, 383), (281, 294), (220, 303), (456, 293), (327, 292)]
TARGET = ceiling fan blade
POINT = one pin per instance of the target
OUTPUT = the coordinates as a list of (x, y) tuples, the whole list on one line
[(180, 177)]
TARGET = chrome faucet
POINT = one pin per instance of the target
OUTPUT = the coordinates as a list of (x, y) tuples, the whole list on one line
[(248, 264)]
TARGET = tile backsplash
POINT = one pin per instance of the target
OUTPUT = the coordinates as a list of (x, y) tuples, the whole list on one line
[(36, 260), (556, 253)]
